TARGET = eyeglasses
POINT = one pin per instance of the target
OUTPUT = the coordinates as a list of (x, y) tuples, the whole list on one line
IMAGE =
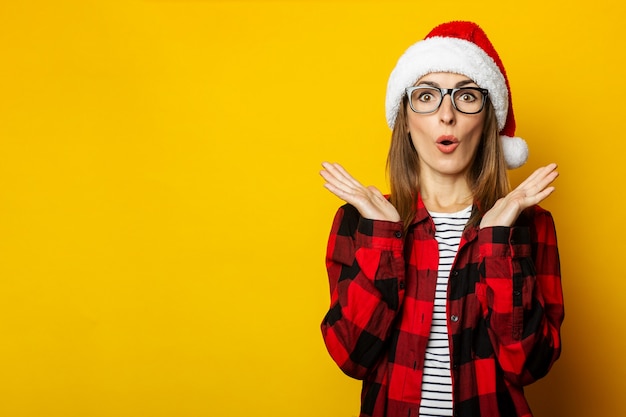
[(427, 99)]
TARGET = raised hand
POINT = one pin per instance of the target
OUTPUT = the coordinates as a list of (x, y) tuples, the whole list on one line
[(370, 202), (530, 192)]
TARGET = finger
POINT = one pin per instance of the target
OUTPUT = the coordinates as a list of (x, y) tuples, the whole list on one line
[(338, 172), (364, 202), (337, 191), (541, 183), (346, 193), (335, 181), (345, 175), (332, 175), (547, 180), (539, 197), (537, 175), (529, 179)]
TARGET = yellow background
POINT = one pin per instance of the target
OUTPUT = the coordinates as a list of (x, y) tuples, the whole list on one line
[(163, 224)]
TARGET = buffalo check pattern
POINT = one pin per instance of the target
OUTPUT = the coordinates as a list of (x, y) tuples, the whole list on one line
[(505, 309)]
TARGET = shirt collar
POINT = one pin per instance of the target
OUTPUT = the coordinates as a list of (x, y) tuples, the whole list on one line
[(421, 213)]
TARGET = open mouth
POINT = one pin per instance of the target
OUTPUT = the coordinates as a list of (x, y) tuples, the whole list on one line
[(446, 140), (447, 144)]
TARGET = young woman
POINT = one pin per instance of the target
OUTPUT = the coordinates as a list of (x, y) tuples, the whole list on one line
[(446, 295)]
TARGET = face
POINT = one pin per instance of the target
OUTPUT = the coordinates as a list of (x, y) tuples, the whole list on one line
[(446, 140)]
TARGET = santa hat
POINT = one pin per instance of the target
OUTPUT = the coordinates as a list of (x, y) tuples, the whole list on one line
[(461, 48)]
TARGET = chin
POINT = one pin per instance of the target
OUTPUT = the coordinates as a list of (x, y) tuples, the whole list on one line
[(454, 167)]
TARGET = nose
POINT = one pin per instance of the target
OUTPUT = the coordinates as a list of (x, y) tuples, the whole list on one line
[(446, 110)]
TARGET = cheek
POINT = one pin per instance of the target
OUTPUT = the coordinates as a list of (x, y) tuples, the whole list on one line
[(476, 129), (415, 125)]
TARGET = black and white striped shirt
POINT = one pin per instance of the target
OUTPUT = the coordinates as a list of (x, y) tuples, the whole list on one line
[(437, 380)]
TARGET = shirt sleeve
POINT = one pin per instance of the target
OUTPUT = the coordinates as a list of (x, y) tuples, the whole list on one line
[(521, 295), (365, 267)]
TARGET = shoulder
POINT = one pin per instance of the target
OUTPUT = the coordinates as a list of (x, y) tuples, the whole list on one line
[(534, 214), (538, 220), (346, 220)]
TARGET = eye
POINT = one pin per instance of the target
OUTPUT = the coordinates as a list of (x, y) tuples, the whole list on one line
[(467, 96), (425, 96)]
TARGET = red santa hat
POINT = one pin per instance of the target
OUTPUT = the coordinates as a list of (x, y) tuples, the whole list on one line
[(461, 48)]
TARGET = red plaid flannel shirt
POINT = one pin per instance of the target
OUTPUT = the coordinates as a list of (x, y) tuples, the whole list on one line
[(505, 309)]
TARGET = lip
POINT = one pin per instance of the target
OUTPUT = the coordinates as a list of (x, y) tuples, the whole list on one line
[(447, 143)]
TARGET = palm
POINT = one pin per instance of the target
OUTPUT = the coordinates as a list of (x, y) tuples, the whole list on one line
[(369, 201), (532, 191)]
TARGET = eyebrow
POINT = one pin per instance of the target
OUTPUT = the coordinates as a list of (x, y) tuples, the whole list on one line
[(459, 84)]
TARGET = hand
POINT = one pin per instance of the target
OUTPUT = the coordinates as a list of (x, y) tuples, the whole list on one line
[(530, 192), (370, 202)]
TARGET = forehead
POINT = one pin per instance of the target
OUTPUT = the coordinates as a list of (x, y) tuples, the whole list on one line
[(445, 79)]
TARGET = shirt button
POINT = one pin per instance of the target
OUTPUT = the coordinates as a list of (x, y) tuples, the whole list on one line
[(398, 234), (401, 285), (454, 318), (517, 293)]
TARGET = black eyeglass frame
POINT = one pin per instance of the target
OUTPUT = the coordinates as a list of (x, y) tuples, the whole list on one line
[(445, 91)]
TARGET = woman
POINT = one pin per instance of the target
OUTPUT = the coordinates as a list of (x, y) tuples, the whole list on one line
[(445, 296)]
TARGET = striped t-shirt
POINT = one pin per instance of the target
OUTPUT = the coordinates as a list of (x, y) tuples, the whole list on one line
[(437, 380)]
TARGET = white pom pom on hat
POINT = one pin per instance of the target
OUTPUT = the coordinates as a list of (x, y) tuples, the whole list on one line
[(462, 48)]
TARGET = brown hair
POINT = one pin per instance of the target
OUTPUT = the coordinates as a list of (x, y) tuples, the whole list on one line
[(487, 175)]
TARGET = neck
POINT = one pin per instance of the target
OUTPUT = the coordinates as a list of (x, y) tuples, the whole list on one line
[(445, 194)]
